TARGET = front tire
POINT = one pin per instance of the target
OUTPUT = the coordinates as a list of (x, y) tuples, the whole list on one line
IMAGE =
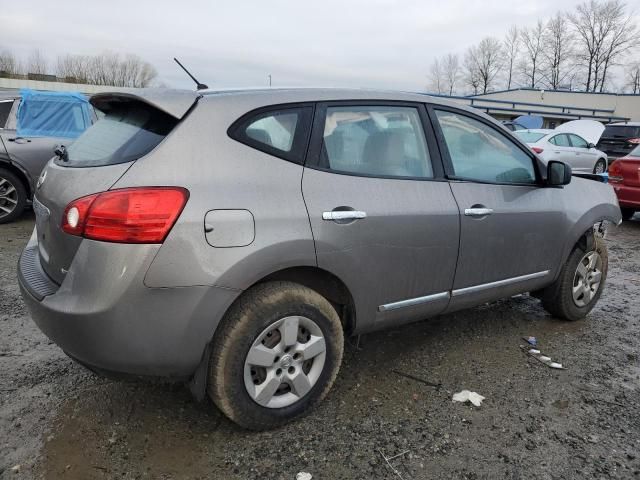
[(275, 355), (13, 196), (600, 166), (580, 283)]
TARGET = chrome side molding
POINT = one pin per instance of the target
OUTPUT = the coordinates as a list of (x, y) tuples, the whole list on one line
[(413, 301), (499, 283), (461, 291)]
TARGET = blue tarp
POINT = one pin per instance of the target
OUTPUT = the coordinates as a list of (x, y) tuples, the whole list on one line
[(52, 114)]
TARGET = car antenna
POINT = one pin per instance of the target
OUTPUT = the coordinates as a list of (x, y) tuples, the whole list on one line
[(199, 86)]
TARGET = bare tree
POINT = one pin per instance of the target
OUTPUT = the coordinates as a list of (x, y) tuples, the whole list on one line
[(557, 45), (8, 63), (37, 63), (623, 36), (511, 46), (451, 72), (604, 32), (436, 79), (532, 40), (482, 64), (107, 69), (633, 77)]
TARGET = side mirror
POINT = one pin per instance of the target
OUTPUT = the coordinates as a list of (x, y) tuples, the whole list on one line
[(591, 145), (558, 173)]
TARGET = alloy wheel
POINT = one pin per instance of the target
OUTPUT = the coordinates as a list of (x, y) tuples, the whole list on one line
[(8, 197), (285, 362), (586, 280)]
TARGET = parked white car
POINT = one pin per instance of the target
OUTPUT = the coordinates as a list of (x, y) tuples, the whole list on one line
[(572, 143)]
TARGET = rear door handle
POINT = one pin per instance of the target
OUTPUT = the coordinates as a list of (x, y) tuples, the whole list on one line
[(478, 212), (343, 215)]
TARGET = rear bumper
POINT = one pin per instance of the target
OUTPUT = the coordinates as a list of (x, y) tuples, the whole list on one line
[(628, 197), (103, 315)]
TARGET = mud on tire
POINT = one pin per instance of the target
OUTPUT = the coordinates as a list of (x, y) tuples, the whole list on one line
[(256, 310), (558, 298)]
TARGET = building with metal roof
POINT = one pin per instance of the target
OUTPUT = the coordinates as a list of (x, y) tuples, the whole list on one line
[(556, 106)]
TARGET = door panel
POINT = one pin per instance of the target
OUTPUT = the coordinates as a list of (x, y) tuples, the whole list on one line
[(383, 218), (511, 228), (522, 236), (406, 246)]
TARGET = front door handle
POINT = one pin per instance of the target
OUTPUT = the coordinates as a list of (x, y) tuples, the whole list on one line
[(344, 215), (478, 212)]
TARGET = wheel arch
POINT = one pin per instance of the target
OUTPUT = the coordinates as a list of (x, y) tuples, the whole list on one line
[(583, 232), (322, 281), (326, 284), (18, 172)]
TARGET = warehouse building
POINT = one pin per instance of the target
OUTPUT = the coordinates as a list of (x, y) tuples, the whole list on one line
[(556, 106)]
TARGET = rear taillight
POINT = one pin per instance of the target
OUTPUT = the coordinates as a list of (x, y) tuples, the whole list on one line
[(537, 149), (127, 215), (634, 141), (615, 172)]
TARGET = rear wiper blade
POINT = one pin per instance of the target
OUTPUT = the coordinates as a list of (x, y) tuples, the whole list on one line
[(61, 153)]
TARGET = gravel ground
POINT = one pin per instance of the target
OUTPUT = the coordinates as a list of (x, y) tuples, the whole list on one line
[(59, 421)]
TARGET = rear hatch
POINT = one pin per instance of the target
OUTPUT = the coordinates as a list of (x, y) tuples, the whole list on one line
[(619, 140), (130, 126)]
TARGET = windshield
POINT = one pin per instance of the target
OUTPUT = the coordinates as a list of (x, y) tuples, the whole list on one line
[(128, 130), (621, 131), (528, 137)]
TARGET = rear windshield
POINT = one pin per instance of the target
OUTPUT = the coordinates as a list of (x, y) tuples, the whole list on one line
[(126, 130), (528, 137), (621, 131)]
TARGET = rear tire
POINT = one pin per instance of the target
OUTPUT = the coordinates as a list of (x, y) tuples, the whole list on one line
[(600, 166), (574, 294), (13, 196), (278, 334), (627, 213)]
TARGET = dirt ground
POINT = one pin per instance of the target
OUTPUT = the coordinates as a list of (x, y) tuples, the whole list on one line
[(59, 421)]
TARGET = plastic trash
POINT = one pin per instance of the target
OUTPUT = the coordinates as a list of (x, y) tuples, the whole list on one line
[(533, 341), (468, 396), (303, 476)]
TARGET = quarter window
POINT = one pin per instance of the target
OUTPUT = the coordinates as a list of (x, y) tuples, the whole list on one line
[(479, 152), (282, 132), (384, 141)]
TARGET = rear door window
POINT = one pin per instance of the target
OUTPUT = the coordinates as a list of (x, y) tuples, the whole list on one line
[(385, 141), (560, 140), (280, 131), (126, 131)]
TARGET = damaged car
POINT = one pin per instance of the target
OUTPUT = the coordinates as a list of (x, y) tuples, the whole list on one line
[(234, 239)]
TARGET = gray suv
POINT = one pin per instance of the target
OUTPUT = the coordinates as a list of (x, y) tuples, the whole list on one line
[(233, 239)]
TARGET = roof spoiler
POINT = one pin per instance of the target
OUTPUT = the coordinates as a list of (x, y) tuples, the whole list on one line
[(171, 101)]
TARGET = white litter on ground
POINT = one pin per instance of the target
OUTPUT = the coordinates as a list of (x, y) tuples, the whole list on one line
[(467, 396), (303, 476)]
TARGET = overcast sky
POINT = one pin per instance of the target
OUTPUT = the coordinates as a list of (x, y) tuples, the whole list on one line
[(357, 43)]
